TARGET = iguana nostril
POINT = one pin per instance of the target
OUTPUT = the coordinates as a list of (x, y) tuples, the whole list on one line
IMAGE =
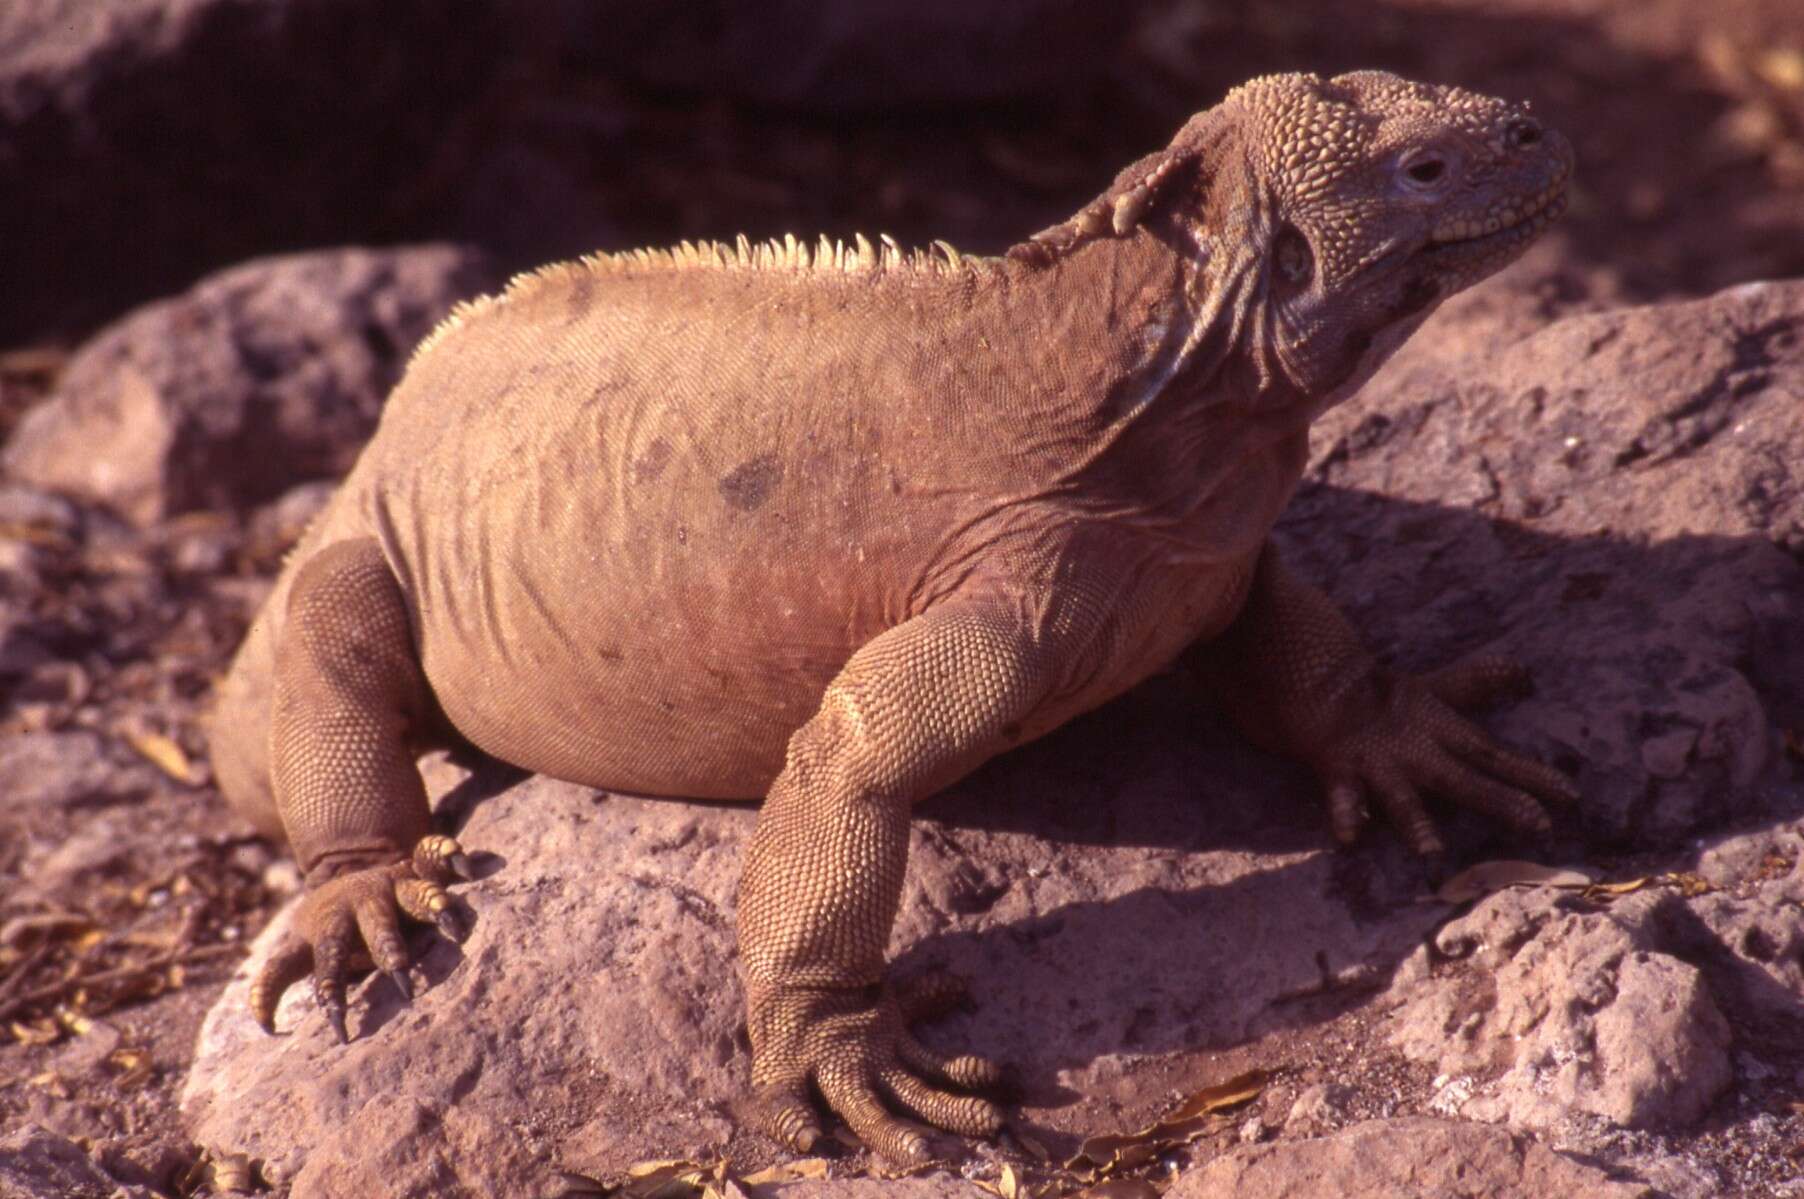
[(1523, 133)]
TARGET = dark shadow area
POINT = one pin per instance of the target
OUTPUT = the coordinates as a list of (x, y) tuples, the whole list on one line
[(1160, 768), (305, 129)]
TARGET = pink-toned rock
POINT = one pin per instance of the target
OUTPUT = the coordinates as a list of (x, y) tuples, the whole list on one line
[(1554, 1012), (1611, 498), (593, 1016), (1386, 1159), (263, 376), (38, 1164)]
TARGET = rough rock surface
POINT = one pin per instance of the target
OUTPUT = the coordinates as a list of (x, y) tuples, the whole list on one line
[(624, 909), (1652, 592), (1615, 499), (1576, 1009), (263, 376), (35, 1164), (1381, 1159)]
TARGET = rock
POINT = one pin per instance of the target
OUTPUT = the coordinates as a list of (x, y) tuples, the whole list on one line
[(593, 1016), (1380, 1159), (1318, 1109), (165, 138), (261, 377), (1557, 1011), (35, 1164), (1610, 498), (1751, 923)]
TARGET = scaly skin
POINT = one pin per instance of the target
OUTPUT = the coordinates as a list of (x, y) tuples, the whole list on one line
[(833, 526)]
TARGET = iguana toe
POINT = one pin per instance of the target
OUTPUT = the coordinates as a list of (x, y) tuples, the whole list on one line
[(440, 859), (291, 962), (966, 1070), (783, 1113), (1479, 681)]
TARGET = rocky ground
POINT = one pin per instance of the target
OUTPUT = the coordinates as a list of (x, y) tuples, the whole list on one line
[(1590, 463)]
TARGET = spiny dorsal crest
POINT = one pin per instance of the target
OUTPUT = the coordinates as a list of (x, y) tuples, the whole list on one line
[(825, 257)]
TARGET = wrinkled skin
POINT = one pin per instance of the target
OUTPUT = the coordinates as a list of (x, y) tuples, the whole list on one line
[(834, 526)]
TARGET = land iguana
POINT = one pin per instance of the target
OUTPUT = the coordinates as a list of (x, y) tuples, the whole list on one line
[(832, 524)]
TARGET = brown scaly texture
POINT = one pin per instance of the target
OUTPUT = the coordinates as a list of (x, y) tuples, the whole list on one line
[(833, 524)]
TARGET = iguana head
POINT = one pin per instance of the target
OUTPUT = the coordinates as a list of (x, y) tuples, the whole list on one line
[(1366, 200), (1382, 197), (1332, 215)]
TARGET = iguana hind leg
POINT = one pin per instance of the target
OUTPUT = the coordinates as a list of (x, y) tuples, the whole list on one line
[(349, 702), (911, 712)]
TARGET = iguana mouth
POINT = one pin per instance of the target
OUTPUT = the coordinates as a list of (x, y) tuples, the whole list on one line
[(1506, 221)]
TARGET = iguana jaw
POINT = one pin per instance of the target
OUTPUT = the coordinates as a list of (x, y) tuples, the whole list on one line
[(1468, 249)]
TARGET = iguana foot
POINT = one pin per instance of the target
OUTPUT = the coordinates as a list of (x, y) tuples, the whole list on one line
[(361, 904), (854, 1045), (1412, 741)]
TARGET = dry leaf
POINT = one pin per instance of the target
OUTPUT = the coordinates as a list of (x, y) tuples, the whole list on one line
[(52, 1082), (43, 1032), (164, 753), (1009, 1184), (32, 535), (1475, 882), (1688, 884), (1599, 890), (134, 1067)]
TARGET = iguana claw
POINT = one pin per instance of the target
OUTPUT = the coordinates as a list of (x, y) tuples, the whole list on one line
[(857, 1050), (360, 906), (1412, 742)]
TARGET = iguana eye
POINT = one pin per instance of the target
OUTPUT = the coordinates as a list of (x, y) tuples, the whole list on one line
[(1296, 261), (1425, 171)]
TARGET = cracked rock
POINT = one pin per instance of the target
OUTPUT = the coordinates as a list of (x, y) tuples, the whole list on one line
[(1557, 1012)]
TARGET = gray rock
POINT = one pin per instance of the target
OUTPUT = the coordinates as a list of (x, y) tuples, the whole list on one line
[(1317, 1109), (1381, 1159), (35, 1164), (259, 378)]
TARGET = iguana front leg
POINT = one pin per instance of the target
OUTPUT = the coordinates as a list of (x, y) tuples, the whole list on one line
[(349, 702), (1295, 679), (912, 711)]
